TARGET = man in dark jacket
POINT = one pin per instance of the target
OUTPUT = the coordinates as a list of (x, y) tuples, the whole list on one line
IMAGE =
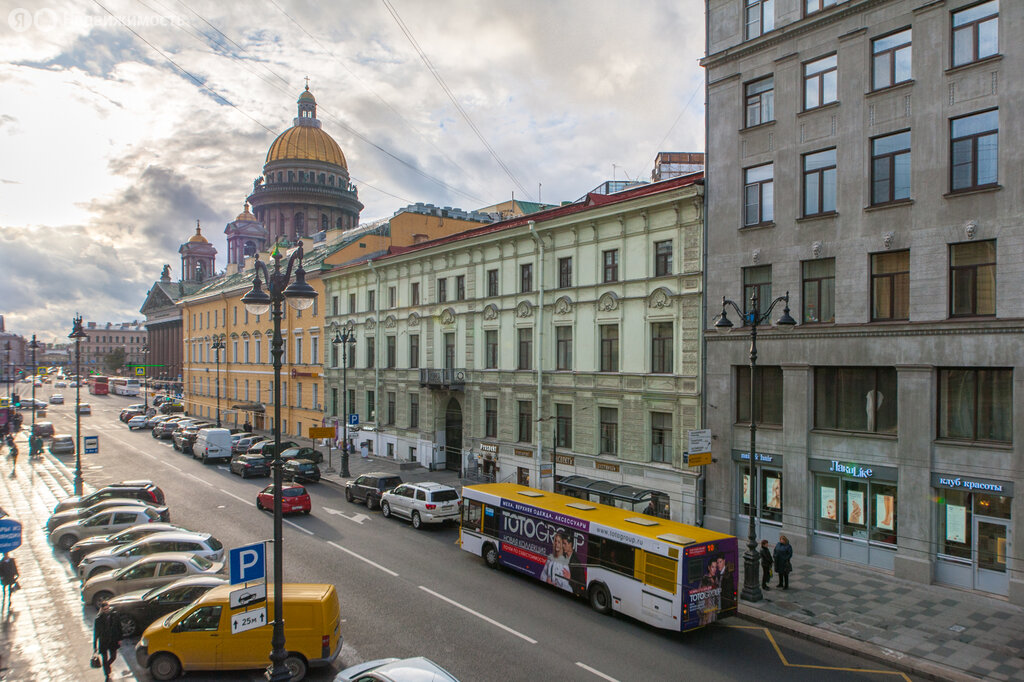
[(106, 637), (766, 564), (8, 578)]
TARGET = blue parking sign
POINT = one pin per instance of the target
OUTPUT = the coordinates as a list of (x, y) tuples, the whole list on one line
[(353, 420), (10, 535), (248, 563)]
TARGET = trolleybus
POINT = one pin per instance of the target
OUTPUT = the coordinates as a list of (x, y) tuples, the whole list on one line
[(98, 385), (664, 573), (125, 386)]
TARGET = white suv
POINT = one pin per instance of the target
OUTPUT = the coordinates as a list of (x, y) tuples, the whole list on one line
[(422, 503)]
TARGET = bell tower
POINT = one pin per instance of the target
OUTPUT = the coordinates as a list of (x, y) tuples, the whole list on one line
[(197, 258)]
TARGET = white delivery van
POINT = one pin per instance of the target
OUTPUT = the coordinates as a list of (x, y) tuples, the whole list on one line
[(212, 444)]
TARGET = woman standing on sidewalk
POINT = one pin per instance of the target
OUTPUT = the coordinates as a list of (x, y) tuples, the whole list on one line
[(783, 556)]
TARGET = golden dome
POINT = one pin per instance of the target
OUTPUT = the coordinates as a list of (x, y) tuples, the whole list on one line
[(246, 215), (306, 143), (307, 96), (198, 237)]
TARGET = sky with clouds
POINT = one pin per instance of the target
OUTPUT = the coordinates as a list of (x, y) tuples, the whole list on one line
[(125, 121)]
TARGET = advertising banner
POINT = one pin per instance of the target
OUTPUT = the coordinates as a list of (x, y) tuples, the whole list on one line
[(546, 545), (711, 580)]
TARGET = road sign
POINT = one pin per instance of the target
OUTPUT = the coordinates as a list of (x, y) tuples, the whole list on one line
[(353, 420), (545, 470), (322, 432), (248, 563), (10, 535), (247, 596), (92, 445), (698, 440), (140, 371), (697, 459), (248, 620)]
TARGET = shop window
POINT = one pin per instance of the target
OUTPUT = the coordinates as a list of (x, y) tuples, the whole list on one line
[(768, 401), (770, 502), (861, 509), (855, 399), (976, 404)]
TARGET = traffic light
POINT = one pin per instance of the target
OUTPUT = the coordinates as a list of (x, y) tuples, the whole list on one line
[(16, 400)]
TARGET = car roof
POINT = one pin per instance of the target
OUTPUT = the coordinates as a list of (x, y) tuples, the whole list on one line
[(166, 556), (174, 535), (430, 485), (57, 436), (379, 474)]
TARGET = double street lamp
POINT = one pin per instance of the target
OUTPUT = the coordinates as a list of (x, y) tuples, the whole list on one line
[(753, 317), (300, 296), (78, 334), (217, 347), (346, 339), (34, 442), (145, 376)]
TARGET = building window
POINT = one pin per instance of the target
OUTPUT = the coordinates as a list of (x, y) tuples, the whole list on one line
[(414, 293), (334, 401), (442, 290), (812, 6), (890, 168), (757, 278), (767, 399), (490, 417), (334, 305), (976, 33), (819, 297), (661, 437), (391, 352), (371, 354), (314, 355), (891, 59), (525, 421), (391, 408), (525, 360), (972, 279), (609, 347), (760, 101), (855, 399), (491, 349), (449, 350), (663, 258), (298, 394), (492, 282), (974, 151), (565, 272), (298, 350), (760, 17), (821, 82), (392, 297), (414, 410), (371, 405), (563, 425), (976, 404), (759, 195), (661, 347), (820, 183), (609, 427), (371, 301), (610, 260), (890, 286), (563, 347), (460, 288), (351, 303), (414, 351), (525, 277)]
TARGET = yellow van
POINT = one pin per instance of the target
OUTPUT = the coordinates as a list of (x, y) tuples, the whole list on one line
[(199, 636)]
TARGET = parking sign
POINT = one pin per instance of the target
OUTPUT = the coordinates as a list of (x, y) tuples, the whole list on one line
[(248, 563), (353, 420)]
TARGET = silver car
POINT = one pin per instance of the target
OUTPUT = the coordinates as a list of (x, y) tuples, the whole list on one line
[(422, 503), (111, 558), (146, 573), (69, 515), (106, 522), (396, 670)]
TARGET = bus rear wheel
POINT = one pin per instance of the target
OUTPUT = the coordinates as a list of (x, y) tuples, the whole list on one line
[(490, 555), (600, 598)]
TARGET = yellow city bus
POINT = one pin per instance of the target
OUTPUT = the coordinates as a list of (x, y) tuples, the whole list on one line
[(664, 573)]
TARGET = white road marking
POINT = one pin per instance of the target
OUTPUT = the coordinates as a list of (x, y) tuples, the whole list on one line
[(357, 517), (233, 495), (362, 558), (173, 467), (199, 479), (596, 672), (295, 525), (479, 615)]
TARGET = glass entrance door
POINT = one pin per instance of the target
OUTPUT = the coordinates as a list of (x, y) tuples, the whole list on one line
[(991, 555)]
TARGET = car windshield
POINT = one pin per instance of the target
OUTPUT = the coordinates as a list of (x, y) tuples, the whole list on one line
[(203, 564), (293, 492), (444, 496), (174, 615)]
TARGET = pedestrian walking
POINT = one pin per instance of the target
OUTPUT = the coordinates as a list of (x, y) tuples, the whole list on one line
[(8, 579), (783, 557), (247, 427), (12, 452), (766, 565), (106, 637)]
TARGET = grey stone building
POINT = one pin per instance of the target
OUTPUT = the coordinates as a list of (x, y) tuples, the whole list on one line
[(862, 158)]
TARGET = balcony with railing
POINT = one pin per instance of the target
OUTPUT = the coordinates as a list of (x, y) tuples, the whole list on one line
[(443, 379)]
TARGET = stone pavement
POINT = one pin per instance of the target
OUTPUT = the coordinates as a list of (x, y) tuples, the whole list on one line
[(47, 632)]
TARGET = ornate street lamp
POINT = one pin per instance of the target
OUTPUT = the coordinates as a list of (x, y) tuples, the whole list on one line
[(8, 369), (78, 334), (300, 296), (145, 377), (217, 347), (753, 317), (345, 340), (33, 440)]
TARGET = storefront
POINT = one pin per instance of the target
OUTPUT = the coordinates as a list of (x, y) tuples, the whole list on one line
[(973, 532), (854, 512), (765, 506)]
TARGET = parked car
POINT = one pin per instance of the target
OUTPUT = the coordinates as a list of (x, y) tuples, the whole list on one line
[(111, 558), (166, 428), (395, 670), (136, 610), (137, 422), (294, 498), (309, 454), (246, 465), (61, 384), (370, 487), (93, 544), (43, 429), (62, 444), (84, 408), (69, 515), (146, 573), (56, 399), (184, 438), (172, 408), (301, 470), (266, 447), (212, 444), (153, 420), (136, 489), (109, 521), (131, 411), (421, 503), (244, 443)]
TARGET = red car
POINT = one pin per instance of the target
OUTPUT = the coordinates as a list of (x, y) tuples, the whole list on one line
[(294, 499)]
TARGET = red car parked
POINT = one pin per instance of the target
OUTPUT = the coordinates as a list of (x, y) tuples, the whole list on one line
[(294, 499)]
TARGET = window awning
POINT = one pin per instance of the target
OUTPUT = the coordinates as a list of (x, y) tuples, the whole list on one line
[(617, 491), (250, 407)]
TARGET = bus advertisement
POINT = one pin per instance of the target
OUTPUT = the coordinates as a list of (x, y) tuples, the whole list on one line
[(98, 385), (125, 386), (664, 573)]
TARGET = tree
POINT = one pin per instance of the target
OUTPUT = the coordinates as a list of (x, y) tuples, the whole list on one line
[(114, 360)]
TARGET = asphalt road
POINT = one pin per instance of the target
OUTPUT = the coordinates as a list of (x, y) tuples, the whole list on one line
[(406, 592)]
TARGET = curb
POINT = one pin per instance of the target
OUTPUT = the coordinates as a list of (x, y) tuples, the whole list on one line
[(896, 659)]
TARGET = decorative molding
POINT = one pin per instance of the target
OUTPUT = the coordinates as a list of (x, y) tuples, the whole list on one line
[(660, 298), (563, 305), (816, 249), (390, 321), (414, 319), (370, 323), (755, 256), (447, 317), (970, 229), (887, 238), (608, 302), (490, 312), (524, 309)]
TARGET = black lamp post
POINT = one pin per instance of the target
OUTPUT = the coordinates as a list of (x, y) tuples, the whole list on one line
[(217, 347), (753, 317), (346, 339), (78, 334), (8, 369), (145, 376), (33, 444), (300, 296)]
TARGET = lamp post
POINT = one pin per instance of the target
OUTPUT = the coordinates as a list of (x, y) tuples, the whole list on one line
[(77, 334), (346, 339), (8, 369), (145, 376), (300, 296), (32, 443), (218, 346), (753, 317)]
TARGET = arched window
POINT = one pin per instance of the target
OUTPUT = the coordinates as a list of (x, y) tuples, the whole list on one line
[(330, 181), (249, 249), (340, 224), (300, 225), (325, 222), (323, 179), (291, 176), (279, 176)]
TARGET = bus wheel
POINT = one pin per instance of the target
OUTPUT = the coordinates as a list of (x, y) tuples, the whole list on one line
[(490, 555), (600, 599)]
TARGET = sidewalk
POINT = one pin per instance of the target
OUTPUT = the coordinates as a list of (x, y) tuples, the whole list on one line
[(47, 633)]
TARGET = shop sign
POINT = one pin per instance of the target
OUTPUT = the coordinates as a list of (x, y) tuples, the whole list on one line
[(760, 457), (605, 466), (489, 447), (983, 485), (522, 453), (565, 459), (854, 470)]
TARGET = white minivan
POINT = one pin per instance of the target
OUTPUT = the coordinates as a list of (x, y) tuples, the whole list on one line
[(212, 444)]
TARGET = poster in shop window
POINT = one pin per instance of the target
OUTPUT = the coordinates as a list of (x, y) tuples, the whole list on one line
[(885, 511), (956, 523), (746, 488), (855, 507), (773, 492), (828, 503)]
